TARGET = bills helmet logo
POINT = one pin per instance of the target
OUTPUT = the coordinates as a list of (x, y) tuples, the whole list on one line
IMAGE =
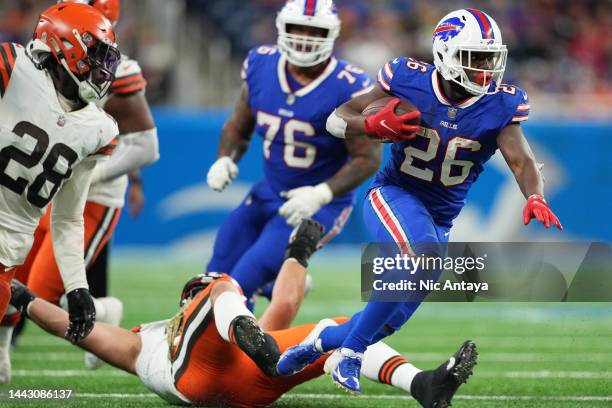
[(449, 28)]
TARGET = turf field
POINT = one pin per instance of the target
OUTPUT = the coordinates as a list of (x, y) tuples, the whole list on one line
[(536, 355)]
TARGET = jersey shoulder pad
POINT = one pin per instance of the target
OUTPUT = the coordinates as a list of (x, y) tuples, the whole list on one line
[(401, 67), (353, 78), (8, 56), (516, 102), (128, 78), (256, 57)]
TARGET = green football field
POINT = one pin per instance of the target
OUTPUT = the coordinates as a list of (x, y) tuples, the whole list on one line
[(531, 355)]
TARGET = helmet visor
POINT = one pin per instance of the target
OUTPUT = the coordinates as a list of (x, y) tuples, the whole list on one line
[(103, 60)]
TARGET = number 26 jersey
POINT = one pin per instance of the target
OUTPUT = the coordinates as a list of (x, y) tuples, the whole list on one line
[(40, 144), (440, 165)]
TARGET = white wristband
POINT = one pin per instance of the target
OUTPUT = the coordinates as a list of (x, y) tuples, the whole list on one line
[(336, 125)]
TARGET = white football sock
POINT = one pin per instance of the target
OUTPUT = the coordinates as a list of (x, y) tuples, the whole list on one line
[(227, 307), (6, 333), (383, 364), (100, 309)]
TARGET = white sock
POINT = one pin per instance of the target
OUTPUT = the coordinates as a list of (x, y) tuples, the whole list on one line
[(5, 358), (100, 310), (227, 307), (6, 332), (383, 364)]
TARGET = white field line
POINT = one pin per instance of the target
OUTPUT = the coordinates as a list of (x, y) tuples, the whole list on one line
[(385, 397), (508, 357), (583, 375), (69, 373), (50, 356), (461, 397)]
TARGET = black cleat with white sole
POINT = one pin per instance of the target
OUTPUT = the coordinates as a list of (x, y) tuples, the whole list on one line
[(436, 388), (259, 346)]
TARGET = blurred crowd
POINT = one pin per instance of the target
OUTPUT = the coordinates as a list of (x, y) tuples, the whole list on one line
[(555, 46)]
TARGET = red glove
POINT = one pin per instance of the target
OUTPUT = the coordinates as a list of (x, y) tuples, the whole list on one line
[(538, 207), (386, 124)]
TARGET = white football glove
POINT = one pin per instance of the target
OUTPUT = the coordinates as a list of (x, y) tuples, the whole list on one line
[(221, 173), (303, 202)]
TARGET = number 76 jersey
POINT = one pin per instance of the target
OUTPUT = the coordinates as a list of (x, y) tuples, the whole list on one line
[(291, 118), (40, 144), (440, 165)]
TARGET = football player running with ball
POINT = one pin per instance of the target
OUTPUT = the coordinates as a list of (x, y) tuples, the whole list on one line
[(51, 138), (466, 114), (288, 92)]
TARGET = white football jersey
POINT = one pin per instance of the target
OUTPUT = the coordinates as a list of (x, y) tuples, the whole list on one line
[(128, 79), (40, 144)]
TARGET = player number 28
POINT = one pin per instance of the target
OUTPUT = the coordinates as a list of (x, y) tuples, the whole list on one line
[(408, 166), (50, 178), (293, 126)]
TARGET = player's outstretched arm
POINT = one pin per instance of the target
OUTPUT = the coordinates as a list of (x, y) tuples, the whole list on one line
[(116, 346), (139, 143), (288, 291), (68, 231), (522, 163), (235, 139)]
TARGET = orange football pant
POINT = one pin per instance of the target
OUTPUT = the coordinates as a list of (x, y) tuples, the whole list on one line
[(214, 372), (5, 288)]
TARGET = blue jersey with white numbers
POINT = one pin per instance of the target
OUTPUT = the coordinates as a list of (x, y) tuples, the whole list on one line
[(298, 150), (445, 159)]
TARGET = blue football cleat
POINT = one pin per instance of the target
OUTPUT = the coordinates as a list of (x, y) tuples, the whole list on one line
[(346, 374), (298, 357)]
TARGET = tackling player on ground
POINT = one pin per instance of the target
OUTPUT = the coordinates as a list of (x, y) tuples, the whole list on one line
[(214, 353), (467, 113), (137, 147), (288, 92)]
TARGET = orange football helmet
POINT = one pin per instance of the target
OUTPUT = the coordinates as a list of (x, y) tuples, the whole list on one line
[(82, 40), (110, 8)]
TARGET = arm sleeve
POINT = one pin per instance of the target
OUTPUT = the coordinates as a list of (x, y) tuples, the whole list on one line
[(134, 151), (67, 226)]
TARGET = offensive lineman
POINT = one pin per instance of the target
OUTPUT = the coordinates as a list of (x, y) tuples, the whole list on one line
[(287, 94), (467, 113), (137, 147), (51, 138)]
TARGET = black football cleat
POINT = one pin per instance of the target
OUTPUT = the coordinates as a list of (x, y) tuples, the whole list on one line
[(436, 388), (259, 346)]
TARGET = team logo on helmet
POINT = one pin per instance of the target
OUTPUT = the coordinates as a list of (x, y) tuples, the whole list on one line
[(449, 28)]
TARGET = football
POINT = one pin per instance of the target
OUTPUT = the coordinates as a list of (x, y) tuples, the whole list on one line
[(403, 107)]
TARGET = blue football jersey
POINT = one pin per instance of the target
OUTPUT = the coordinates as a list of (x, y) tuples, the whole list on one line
[(448, 154), (298, 150)]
